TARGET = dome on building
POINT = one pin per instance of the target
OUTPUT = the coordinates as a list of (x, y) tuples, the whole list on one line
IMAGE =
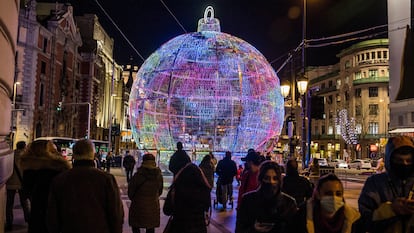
[(209, 90)]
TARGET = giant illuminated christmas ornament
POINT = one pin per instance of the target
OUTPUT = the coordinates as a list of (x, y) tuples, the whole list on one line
[(209, 90)]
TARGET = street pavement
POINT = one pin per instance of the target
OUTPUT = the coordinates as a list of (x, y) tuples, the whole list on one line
[(221, 221)]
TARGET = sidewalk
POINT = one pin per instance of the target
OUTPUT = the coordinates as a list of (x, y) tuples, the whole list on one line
[(221, 221)]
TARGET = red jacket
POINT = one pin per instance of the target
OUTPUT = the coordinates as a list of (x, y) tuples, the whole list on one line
[(248, 183)]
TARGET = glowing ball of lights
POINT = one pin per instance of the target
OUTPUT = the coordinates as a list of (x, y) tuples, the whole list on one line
[(209, 90)]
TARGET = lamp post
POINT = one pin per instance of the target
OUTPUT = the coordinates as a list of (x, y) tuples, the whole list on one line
[(285, 89), (302, 87)]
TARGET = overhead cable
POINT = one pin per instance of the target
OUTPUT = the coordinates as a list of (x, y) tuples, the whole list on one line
[(120, 31), (175, 18)]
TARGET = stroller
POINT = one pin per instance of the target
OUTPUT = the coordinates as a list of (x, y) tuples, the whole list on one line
[(219, 196)]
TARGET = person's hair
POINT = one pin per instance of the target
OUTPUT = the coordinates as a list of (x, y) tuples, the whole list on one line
[(83, 149), (325, 178), (20, 145), (179, 145), (148, 156), (40, 148), (228, 154), (291, 166), (268, 165)]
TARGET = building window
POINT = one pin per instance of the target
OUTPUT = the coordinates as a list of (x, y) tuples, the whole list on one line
[(373, 109), (358, 92), (358, 58), (338, 98), (323, 129), (373, 73), (346, 95), (379, 54), (329, 100), (373, 92), (412, 116), (358, 110), (358, 128), (373, 128), (330, 83), (43, 67), (400, 120), (337, 129), (367, 56), (372, 55), (347, 64), (357, 75), (322, 86), (338, 84), (330, 130), (385, 54), (44, 45), (362, 57)]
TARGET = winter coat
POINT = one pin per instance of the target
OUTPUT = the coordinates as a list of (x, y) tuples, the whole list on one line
[(378, 193), (85, 200), (207, 167), (15, 182), (129, 162), (248, 183), (298, 187), (38, 173), (279, 210), (306, 216), (178, 160), (190, 201), (144, 191), (226, 170)]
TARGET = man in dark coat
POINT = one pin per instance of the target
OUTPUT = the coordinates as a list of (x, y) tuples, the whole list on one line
[(179, 159), (129, 164), (84, 199), (295, 185), (226, 171)]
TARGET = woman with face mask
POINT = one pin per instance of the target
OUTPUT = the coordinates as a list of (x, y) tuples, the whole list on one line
[(267, 209), (326, 211)]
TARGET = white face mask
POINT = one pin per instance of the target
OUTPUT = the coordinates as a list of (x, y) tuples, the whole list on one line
[(331, 204)]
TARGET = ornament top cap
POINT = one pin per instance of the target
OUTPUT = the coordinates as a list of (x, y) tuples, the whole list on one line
[(208, 23)]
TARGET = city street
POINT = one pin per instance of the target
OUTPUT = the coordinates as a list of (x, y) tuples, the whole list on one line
[(222, 221)]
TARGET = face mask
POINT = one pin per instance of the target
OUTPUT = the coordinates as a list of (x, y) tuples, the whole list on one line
[(402, 171), (331, 204)]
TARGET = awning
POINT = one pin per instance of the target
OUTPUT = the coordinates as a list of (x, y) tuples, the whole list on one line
[(402, 130)]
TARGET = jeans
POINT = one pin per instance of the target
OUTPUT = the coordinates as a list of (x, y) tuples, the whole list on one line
[(24, 202), (129, 174)]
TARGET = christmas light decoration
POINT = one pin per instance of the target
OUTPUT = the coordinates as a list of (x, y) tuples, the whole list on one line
[(206, 88), (348, 127)]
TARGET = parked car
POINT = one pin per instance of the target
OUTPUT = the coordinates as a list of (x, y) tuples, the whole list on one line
[(360, 164), (338, 163), (322, 162)]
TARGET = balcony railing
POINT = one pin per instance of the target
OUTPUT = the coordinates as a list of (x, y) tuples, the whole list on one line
[(374, 79)]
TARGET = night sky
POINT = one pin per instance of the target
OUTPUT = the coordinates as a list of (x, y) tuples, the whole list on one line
[(274, 27)]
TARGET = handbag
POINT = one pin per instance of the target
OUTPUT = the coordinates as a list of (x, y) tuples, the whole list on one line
[(168, 227)]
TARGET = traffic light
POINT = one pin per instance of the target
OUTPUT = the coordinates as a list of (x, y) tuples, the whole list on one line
[(59, 107)]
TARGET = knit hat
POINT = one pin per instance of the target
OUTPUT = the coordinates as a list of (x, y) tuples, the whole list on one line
[(84, 150)]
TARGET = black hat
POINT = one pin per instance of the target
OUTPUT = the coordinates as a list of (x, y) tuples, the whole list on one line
[(251, 156)]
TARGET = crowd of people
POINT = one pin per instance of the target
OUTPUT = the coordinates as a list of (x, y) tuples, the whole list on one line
[(58, 196)]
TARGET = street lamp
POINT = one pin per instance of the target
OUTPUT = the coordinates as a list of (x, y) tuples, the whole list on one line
[(302, 87)]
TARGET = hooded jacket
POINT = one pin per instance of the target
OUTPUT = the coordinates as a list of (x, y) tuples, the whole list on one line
[(380, 190)]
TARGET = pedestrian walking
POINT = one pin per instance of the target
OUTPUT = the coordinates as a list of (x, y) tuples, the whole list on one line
[(179, 159), (386, 201), (84, 199), (129, 164), (327, 211), (226, 171), (188, 200), (109, 158), (13, 186), (144, 191), (207, 167), (267, 209), (239, 174), (249, 180), (40, 163), (295, 185)]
